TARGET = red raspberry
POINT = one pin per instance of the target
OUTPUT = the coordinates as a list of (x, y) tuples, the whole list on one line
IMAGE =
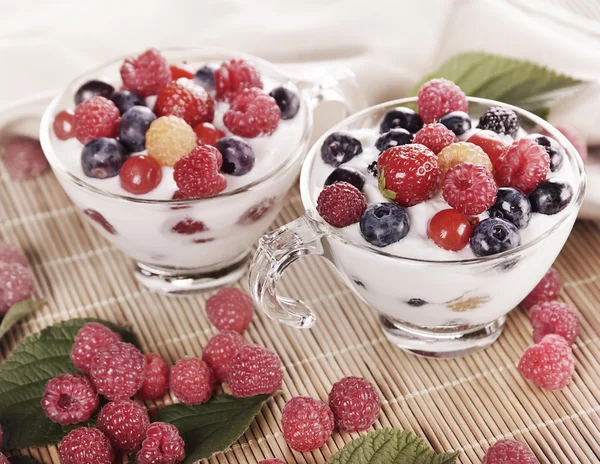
[(16, 284), (233, 76), (219, 351), (554, 317), (252, 113), (90, 339), (156, 381), (69, 399), (548, 364), (576, 138), (523, 165), (438, 97), (408, 174), (11, 254), (208, 134), (3, 459), (178, 72), (490, 142), (230, 309), (192, 381), (86, 445), (24, 159), (94, 118), (63, 125), (118, 370), (162, 445), (307, 423), (197, 174), (254, 370), (341, 204), (145, 74), (97, 217), (186, 100), (509, 452), (435, 137), (189, 226), (548, 289), (470, 188), (257, 212), (355, 404), (124, 422)]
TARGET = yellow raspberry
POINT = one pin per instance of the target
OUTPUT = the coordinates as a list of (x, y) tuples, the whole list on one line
[(169, 139), (462, 152)]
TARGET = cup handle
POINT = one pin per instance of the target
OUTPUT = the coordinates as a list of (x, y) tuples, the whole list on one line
[(276, 251)]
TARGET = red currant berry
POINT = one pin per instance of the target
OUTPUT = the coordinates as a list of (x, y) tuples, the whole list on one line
[(490, 142), (177, 72), (140, 174), (449, 230), (63, 125), (208, 134)]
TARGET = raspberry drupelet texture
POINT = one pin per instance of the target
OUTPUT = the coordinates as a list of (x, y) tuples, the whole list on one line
[(355, 404), (230, 309), (197, 174), (118, 370), (192, 381), (69, 399), (162, 445), (186, 100), (436, 137), (220, 350), (124, 422), (462, 152), (233, 76), (23, 158), (95, 118), (86, 445), (341, 204), (554, 317), (252, 113), (16, 284), (254, 370), (523, 165), (509, 452), (145, 74), (307, 423), (156, 381), (90, 339), (11, 254), (469, 188), (438, 97), (169, 139), (549, 364), (548, 289)]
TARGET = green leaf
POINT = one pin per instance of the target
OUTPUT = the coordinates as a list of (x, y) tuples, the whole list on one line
[(213, 426), (18, 312), (23, 376), (390, 446)]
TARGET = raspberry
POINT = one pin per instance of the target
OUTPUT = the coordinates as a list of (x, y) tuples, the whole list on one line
[(156, 381), (90, 339), (576, 138), (11, 254), (341, 204), (408, 174), (307, 423), (490, 142), (69, 399), (16, 284), (462, 152), (118, 370), (162, 445), (355, 404), (63, 125), (95, 118), (548, 364), (124, 422), (554, 317), (254, 370), (86, 445), (499, 120), (197, 174), (219, 351), (185, 100), (208, 134), (145, 74), (169, 139), (3, 459), (230, 309), (178, 72), (438, 97), (24, 159), (189, 226), (509, 452), (233, 76), (523, 165), (435, 137), (257, 212), (97, 217), (192, 381), (469, 188), (252, 113), (547, 289)]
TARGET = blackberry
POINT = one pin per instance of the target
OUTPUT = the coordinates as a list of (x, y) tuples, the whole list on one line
[(500, 120)]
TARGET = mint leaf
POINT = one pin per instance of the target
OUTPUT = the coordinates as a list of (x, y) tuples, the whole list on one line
[(17, 312), (23, 376), (390, 446), (212, 426)]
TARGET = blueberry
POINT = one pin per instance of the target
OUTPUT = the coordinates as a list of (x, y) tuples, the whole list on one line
[(287, 101), (494, 235), (393, 138), (372, 168), (238, 156), (512, 205), (125, 99), (345, 174), (384, 223), (401, 117), (205, 77), (134, 125), (458, 122), (339, 148), (551, 196), (102, 158), (555, 151), (91, 89)]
